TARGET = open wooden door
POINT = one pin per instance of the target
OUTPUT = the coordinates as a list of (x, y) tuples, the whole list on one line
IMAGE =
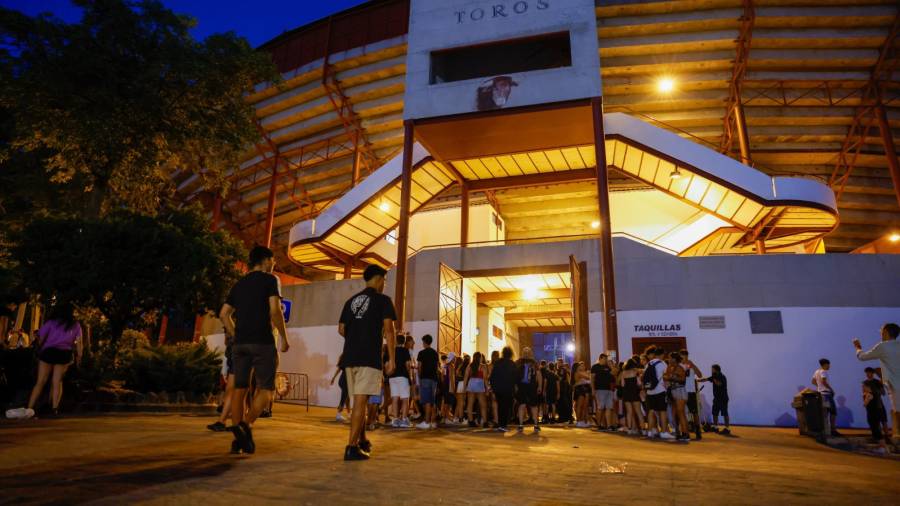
[(580, 332), (450, 311)]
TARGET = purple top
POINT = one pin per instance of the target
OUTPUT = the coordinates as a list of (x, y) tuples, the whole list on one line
[(53, 334)]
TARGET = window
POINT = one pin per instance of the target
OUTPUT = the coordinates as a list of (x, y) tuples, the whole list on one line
[(504, 57), (391, 237), (766, 322)]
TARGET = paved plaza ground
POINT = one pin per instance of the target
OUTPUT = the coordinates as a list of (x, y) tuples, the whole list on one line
[(173, 459)]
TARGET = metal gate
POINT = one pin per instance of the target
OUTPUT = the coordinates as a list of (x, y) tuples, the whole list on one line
[(450, 311)]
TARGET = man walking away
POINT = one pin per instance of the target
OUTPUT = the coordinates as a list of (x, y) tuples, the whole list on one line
[(366, 320), (820, 380), (503, 382), (252, 309), (888, 353), (655, 385), (428, 381)]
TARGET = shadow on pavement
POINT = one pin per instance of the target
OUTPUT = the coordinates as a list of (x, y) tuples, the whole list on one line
[(104, 478)]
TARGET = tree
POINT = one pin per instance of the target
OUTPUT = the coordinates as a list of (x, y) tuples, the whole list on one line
[(129, 265), (118, 101)]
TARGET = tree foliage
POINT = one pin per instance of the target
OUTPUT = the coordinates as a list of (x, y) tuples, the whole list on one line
[(118, 101), (129, 265)]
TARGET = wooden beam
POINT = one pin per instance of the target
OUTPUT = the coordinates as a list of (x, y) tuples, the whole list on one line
[(553, 293), (514, 271), (537, 316), (563, 176), (403, 226)]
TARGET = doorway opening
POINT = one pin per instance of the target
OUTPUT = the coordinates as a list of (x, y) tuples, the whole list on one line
[(541, 307)]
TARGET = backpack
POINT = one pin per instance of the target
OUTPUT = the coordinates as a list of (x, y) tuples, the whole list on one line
[(649, 379)]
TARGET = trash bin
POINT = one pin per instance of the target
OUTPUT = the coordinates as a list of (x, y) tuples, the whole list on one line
[(812, 412)]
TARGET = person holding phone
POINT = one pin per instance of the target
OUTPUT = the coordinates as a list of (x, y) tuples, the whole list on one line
[(887, 352)]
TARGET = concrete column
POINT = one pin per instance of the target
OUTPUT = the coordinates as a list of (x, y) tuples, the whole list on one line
[(464, 216), (610, 328), (403, 227), (889, 150)]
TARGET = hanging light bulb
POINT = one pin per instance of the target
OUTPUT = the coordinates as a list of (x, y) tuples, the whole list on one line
[(676, 174), (595, 224), (384, 206)]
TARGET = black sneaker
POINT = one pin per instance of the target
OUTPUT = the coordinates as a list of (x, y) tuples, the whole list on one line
[(266, 413), (235, 447), (724, 432), (217, 427), (244, 436), (366, 446), (354, 453)]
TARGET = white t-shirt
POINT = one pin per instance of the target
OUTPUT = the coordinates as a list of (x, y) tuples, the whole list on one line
[(660, 370), (820, 377), (689, 385)]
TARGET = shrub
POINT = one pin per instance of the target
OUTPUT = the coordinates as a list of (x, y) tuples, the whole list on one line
[(185, 367)]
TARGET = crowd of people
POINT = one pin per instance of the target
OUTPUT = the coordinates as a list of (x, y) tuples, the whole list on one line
[(638, 397)]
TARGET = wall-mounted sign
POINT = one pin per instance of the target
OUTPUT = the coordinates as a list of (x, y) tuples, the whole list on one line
[(498, 332), (712, 322), (658, 329), (499, 10)]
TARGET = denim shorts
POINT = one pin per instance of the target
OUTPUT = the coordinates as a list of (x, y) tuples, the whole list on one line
[(476, 386), (426, 390)]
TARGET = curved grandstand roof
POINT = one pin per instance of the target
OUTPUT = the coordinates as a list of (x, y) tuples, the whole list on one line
[(805, 71)]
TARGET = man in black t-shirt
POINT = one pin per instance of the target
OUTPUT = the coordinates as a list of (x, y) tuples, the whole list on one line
[(252, 308), (603, 377), (366, 320), (399, 382), (428, 380)]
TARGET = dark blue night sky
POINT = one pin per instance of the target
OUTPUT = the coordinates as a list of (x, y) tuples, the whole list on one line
[(257, 20)]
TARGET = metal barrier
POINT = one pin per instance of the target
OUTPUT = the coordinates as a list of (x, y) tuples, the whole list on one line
[(292, 387)]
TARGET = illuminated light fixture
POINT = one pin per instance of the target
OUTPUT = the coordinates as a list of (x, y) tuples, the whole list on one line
[(676, 174), (570, 347), (384, 206), (665, 85), (532, 293), (894, 237), (595, 224)]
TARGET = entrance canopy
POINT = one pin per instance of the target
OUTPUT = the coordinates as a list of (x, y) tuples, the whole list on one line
[(692, 201)]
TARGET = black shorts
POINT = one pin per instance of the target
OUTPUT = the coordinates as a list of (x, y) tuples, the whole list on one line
[(55, 356), (582, 390), (720, 407), (526, 393), (657, 402), (692, 403), (261, 358), (229, 359)]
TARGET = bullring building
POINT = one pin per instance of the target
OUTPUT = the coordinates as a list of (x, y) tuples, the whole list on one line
[(585, 176)]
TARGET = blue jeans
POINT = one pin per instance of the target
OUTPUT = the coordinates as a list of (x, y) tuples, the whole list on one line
[(426, 390)]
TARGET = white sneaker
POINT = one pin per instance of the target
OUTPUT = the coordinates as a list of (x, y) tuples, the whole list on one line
[(667, 436), (340, 418), (29, 413), (652, 434), (395, 423), (15, 413), (423, 426), (404, 424), (434, 425)]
